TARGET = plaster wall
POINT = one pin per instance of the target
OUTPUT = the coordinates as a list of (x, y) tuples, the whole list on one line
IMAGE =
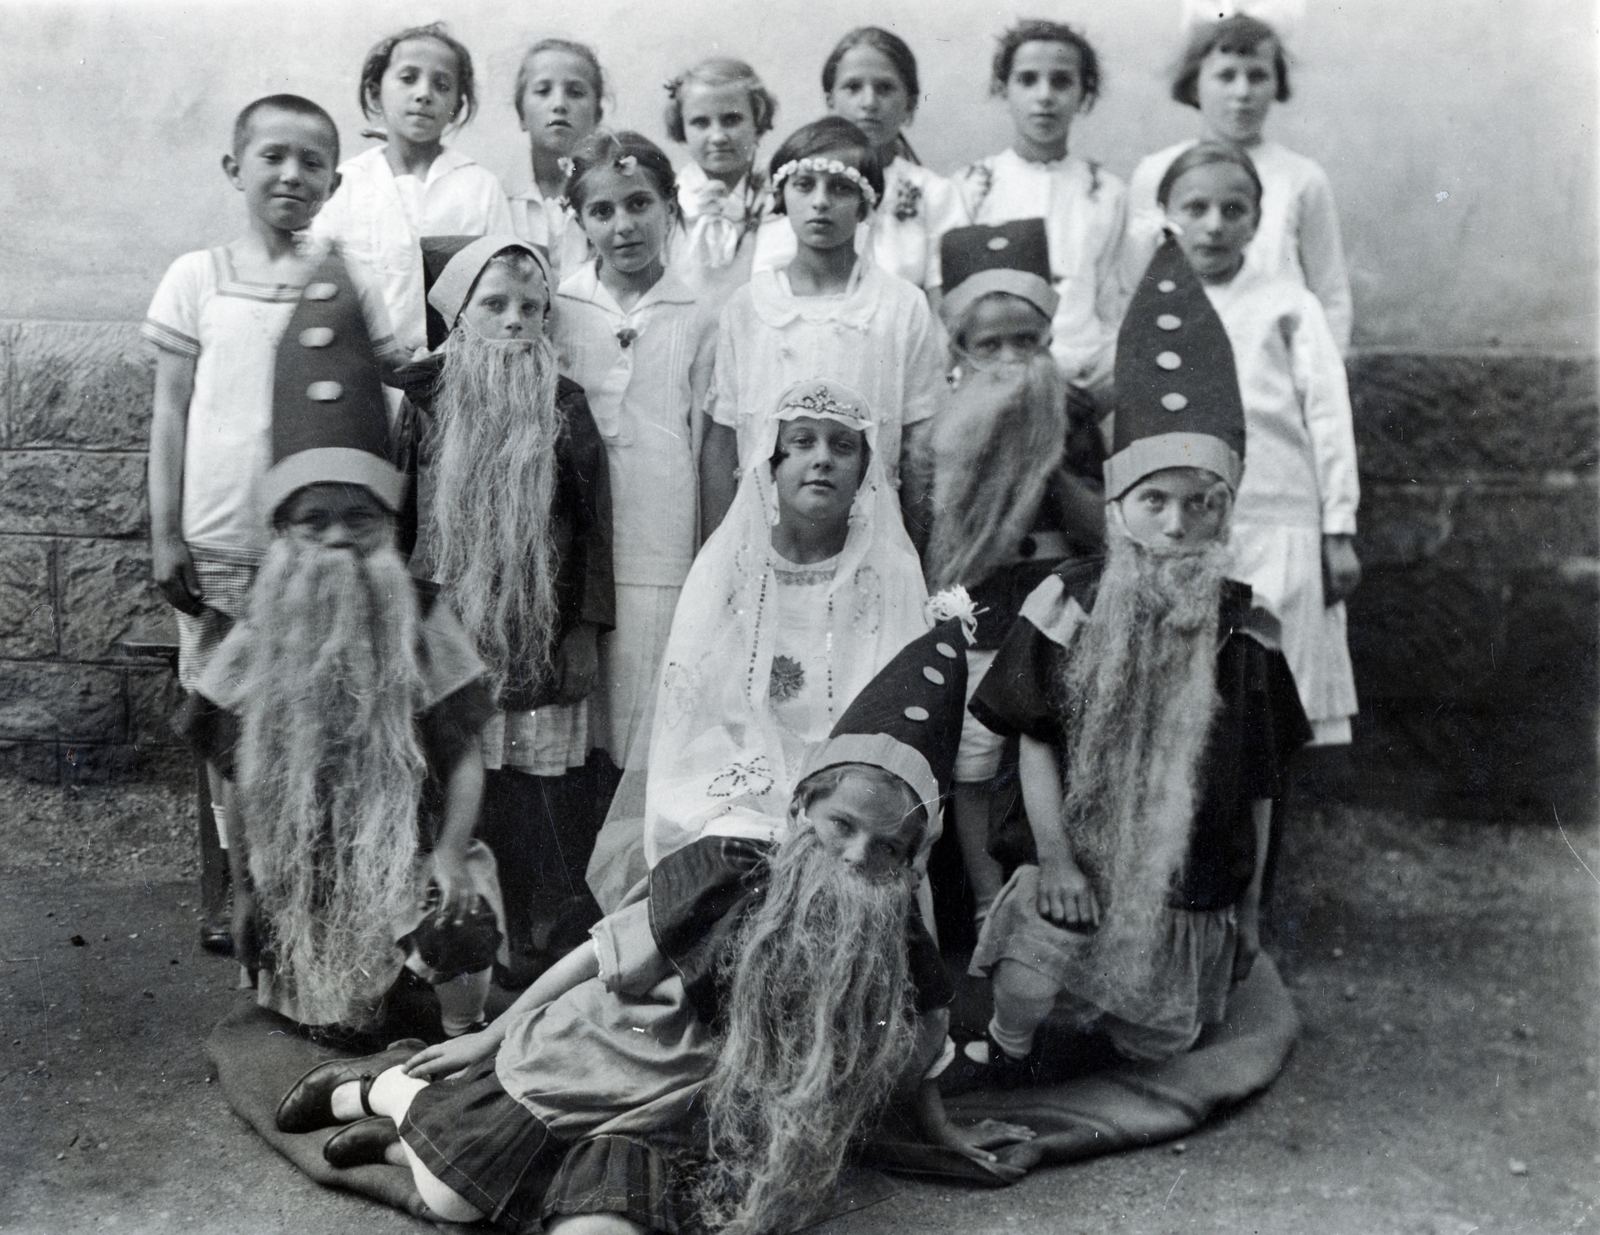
[(1459, 136)]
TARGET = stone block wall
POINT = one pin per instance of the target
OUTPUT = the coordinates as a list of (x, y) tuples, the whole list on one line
[(1476, 633), (1475, 630), (74, 559)]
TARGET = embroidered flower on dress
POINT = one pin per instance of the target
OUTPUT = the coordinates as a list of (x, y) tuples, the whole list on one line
[(907, 198), (788, 679), (626, 336), (754, 778)]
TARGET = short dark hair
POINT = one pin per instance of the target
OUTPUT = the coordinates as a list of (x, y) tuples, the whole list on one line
[(582, 51), (603, 148), (377, 64), (295, 105), (895, 50), (719, 71), (831, 133), (1240, 35), (1203, 154), (1034, 30)]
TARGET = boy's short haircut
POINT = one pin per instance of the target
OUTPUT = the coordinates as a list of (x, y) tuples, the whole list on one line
[(823, 782), (1204, 154), (295, 105), (1240, 35)]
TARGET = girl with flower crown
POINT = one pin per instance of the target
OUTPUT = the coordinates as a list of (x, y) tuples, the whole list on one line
[(825, 313), (870, 78)]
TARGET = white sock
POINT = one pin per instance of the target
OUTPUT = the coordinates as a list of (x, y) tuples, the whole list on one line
[(219, 812), (1016, 1043)]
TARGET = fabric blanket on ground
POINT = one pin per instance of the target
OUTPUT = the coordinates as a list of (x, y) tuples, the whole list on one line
[(1125, 1106), (257, 1057)]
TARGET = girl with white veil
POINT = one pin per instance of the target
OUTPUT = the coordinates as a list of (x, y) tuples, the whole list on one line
[(768, 650)]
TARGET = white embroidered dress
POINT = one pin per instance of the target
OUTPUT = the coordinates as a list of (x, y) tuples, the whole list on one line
[(878, 337), (1300, 480), (548, 223), (646, 396), (713, 250), (764, 657)]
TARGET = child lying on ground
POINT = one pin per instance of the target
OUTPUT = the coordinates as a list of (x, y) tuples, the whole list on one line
[(749, 1014)]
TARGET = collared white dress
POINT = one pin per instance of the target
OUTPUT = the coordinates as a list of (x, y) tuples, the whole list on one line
[(380, 219), (1298, 234), (919, 206), (878, 337), (1300, 480), (647, 373), (1084, 209), (546, 222)]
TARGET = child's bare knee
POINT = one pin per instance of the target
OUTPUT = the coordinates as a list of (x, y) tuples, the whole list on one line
[(594, 1224)]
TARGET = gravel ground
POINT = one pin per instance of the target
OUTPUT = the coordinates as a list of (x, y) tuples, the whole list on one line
[(1445, 1084)]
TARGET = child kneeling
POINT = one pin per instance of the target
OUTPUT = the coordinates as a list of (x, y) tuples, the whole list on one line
[(750, 1011), (1156, 720)]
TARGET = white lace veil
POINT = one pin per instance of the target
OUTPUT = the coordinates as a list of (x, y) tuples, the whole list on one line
[(718, 762)]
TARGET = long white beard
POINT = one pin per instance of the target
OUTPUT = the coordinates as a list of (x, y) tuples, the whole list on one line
[(330, 769), (1139, 686), (820, 1026), (994, 449), (493, 443)]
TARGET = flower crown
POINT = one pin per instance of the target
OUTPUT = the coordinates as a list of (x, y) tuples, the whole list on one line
[(819, 401), (832, 167)]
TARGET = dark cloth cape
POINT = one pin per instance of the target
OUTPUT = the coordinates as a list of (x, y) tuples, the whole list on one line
[(1258, 727), (699, 898), (580, 511)]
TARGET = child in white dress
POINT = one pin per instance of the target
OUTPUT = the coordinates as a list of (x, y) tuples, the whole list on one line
[(1232, 72), (870, 78), (825, 314), (720, 110), (641, 344), (1048, 75), (559, 101), (1295, 515), (419, 83)]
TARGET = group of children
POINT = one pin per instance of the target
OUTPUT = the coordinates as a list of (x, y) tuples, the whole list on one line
[(469, 505)]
